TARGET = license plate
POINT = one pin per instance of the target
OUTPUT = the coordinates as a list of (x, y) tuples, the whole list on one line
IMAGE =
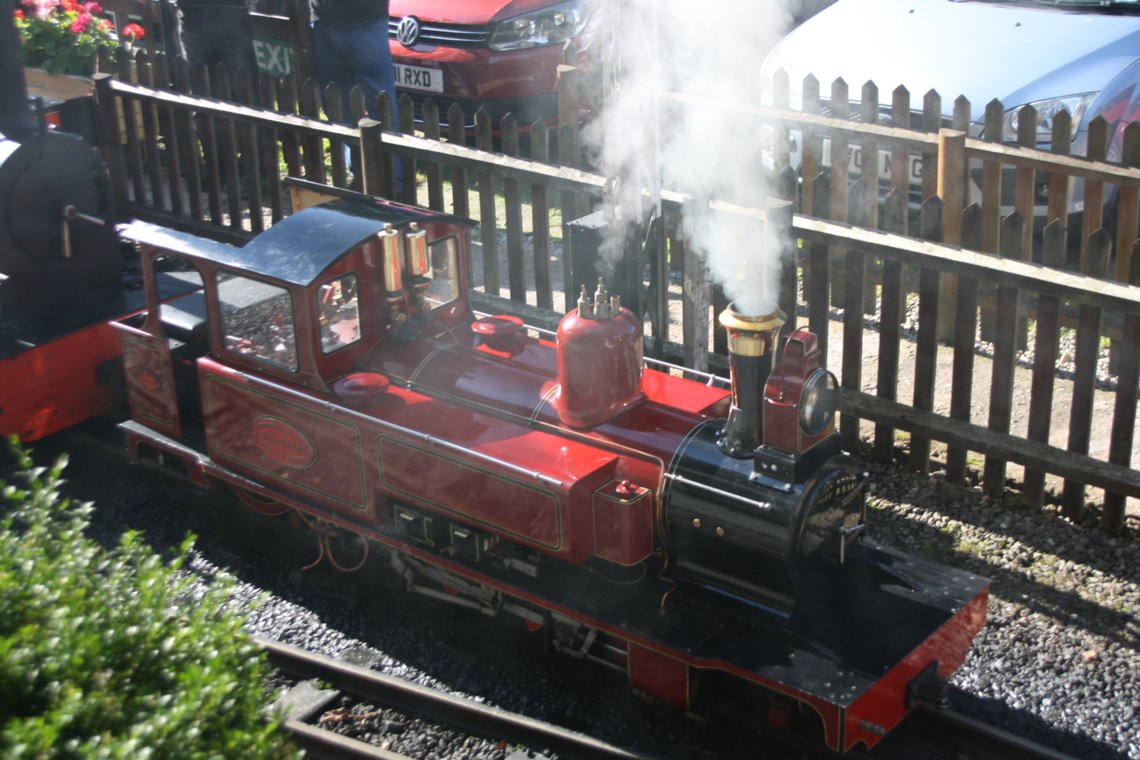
[(855, 163), (913, 171), (418, 78)]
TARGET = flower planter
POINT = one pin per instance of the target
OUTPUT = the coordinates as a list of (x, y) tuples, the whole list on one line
[(57, 86), (67, 99)]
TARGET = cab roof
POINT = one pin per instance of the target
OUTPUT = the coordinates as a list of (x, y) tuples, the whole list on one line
[(298, 248)]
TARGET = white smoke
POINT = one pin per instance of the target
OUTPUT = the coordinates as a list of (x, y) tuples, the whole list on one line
[(676, 62)]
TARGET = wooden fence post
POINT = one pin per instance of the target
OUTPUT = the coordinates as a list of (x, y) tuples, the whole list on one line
[(1127, 219), (926, 345), (488, 222), (1093, 215), (516, 265), (300, 27), (991, 206), (111, 146), (457, 135), (965, 330), (1124, 411), (810, 152), (696, 298), (409, 184), (372, 156), (433, 170), (819, 265), (1045, 349), (567, 83), (952, 191), (1096, 249), (840, 177), (931, 122), (1005, 340), (890, 321), (540, 218)]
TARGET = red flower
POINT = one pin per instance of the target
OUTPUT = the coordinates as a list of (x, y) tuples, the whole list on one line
[(132, 32), (81, 22), (18, 13)]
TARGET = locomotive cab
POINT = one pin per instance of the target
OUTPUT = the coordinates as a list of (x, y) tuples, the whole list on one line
[(303, 303)]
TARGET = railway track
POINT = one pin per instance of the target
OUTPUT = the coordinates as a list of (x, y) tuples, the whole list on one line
[(992, 740), (426, 703), (940, 730)]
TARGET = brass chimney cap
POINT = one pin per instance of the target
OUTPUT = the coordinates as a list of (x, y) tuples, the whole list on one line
[(770, 318)]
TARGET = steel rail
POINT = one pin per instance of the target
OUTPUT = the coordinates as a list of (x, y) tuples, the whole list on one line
[(325, 744), (968, 728), (436, 705)]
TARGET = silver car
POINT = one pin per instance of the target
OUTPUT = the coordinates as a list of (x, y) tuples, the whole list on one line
[(1079, 55)]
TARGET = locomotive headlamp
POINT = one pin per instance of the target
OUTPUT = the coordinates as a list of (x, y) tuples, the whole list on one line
[(817, 402), (799, 411)]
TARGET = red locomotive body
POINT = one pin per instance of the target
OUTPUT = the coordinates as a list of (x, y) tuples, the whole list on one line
[(333, 366)]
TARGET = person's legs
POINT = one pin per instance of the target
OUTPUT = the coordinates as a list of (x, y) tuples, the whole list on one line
[(224, 35), (352, 57), (193, 35), (219, 35), (231, 33), (331, 66), (366, 51), (371, 60)]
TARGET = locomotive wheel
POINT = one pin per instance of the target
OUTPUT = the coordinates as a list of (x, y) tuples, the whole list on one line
[(263, 504)]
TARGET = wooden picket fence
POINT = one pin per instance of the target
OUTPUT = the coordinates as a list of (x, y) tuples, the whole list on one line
[(198, 159)]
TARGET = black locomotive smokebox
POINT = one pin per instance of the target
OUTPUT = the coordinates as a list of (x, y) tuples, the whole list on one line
[(51, 260), (623, 275)]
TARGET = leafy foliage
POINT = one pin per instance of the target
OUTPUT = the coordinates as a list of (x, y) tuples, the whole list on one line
[(116, 653), (63, 36)]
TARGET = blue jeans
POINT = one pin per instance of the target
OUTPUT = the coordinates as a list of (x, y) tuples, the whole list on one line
[(351, 57)]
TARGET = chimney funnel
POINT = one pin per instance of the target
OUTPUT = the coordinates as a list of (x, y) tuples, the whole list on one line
[(751, 345)]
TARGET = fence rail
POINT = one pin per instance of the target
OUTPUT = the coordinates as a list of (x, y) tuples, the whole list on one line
[(202, 162)]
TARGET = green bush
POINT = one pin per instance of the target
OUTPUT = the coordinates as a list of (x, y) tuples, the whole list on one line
[(116, 653)]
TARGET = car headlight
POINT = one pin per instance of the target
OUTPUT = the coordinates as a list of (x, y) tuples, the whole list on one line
[(1047, 110), (549, 26)]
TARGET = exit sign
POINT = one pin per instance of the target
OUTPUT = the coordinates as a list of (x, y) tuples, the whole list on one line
[(274, 56)]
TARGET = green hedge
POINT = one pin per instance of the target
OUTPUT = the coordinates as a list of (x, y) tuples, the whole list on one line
[(117, 653)]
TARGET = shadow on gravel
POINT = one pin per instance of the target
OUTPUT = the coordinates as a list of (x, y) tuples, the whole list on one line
[(1025, 723), (1029, 556)]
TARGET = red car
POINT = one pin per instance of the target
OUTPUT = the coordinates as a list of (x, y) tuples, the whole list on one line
[(501, 55)]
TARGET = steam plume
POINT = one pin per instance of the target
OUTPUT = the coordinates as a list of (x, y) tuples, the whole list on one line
[(709, 54)]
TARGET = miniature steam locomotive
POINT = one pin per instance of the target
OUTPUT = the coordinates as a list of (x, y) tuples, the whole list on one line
[(702, 540)]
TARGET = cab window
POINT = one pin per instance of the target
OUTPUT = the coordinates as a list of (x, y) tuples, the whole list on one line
[(444, 287), (338, 312), (257, 320)]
